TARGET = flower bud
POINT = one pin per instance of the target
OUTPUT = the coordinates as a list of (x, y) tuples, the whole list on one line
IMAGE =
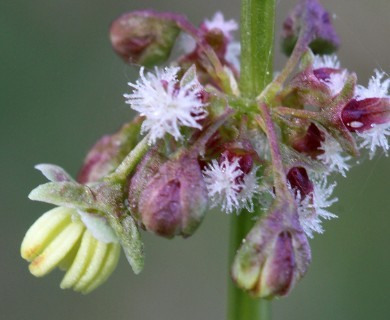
[(96, 163), (174, 199), (362, 115), (217, 34), (313, 16), (108, 152), (274, 255), (144, 37)]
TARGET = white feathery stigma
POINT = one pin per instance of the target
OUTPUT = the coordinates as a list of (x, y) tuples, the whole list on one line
[(378, 87), (249, 190), (222, 183), (218, 22), (166, 103), (326, 61), (225, 187), (314, 207), (374, 138), (333, 156)]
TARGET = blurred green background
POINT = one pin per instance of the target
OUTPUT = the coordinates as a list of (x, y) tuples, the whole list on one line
[(61, 89)]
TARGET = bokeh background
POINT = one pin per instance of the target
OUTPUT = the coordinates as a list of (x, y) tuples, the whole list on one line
[(61, 88)]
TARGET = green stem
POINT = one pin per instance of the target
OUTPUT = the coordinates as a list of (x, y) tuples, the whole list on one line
[(280, 181), (257, 39), (292, 62), (304, 38), (128, 164)]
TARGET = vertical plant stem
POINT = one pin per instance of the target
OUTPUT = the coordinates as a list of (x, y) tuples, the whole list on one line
[(257, 39), (301, 46)]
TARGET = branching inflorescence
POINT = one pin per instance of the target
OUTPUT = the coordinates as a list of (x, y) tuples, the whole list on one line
[(198, 143)]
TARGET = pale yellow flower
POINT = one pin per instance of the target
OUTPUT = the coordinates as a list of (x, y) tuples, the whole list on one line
[(59, 238)]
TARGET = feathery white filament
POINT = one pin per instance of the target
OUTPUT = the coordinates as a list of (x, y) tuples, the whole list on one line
[(165, 104)]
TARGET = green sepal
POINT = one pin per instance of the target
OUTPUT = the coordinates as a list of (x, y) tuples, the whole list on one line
[(189, 76), (130, 239), (53, 172), (65, 194)]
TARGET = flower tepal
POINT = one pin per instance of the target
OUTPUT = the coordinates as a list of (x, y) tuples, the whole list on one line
[(166, 102)]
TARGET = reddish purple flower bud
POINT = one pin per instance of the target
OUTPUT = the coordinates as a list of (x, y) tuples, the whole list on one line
[(299, 181), (309, 142), (274, 255), (144, 37), (216, 33), (174, 199), (145, 171), (97, 161), (362, 115), (108, 152), (312, 16)]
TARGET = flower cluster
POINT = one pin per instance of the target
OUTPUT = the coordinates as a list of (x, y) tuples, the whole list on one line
[(232, 48), (198, 143)]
